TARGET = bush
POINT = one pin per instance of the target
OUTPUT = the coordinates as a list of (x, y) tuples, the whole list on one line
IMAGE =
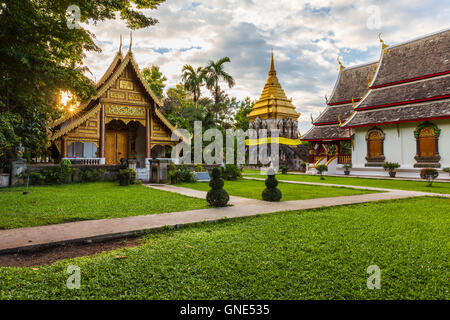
[(429, 174), (63, 172), (303, 164), (230, 172), (390, 166), (217, 196), (92, 175), (321, 169), (284, 169), (179, 174), (271, 193), (347, 166), (37, 178), (127, 177), (446, 170), (199, 168)]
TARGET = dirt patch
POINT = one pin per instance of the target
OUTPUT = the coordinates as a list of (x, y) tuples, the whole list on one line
[(50, 255)]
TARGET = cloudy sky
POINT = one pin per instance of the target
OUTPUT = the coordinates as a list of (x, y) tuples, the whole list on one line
[(307, 37)]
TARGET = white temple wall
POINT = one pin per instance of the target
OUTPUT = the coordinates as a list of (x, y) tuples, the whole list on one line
[(399, 146)]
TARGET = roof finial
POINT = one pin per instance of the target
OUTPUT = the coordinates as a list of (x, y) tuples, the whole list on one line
[(341, 66), (120, 46), (383, 45), (131, 40), (339, 120), (353, 102), (326, 99), (312, 119)]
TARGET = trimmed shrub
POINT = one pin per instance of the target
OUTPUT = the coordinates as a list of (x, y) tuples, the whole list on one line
[(179, 174), (447, 170), (429, 174), (284, 169), (92, 175), (217, 196), (271, 193), (230, 172), (127, 177), (321, 168), (36, 178)]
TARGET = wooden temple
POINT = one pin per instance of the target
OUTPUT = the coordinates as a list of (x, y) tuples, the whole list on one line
[(122, 121)]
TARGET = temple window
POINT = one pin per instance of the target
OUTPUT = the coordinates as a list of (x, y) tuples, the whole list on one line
[(82, 150), (375, 149), (427, 143)]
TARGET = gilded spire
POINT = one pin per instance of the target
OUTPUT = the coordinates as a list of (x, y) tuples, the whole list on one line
[(273, 103), (131, 40)]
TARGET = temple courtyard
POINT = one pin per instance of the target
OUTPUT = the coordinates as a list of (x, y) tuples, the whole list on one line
[(315, 244)]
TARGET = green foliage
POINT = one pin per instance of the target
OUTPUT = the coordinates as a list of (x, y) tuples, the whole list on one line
[(41, 56), (303, 164), (446, 170), (390, 166), (230, 172), (217, 196), (155, 79), (127, 177), (36, 178), (179, 174), (92, 175), (321, 168), (240, 118), (193, 80), (347, 166), (429, 174), (284, 169), (271, 193), (199, 168)]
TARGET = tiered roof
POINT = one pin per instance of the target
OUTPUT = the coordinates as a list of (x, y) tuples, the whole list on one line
[(273, 103), (350, 87), (412, 83), (90, 108)]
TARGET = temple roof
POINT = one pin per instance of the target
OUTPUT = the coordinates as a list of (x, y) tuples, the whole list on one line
[(332, 114), (412, 83), (326, 132), (352, 83), (273, 103), (429, 55)]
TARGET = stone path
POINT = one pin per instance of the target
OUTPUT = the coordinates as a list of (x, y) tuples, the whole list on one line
[(34, 237)]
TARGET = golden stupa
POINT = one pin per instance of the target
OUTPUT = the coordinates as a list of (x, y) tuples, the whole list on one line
[(273, 103)]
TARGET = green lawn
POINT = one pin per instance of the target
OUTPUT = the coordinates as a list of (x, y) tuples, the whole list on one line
[(438, 187), (315, 254), (73, 202), (253, 189)]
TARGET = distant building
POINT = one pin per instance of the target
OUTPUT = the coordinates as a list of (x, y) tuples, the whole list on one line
[(274, 111)]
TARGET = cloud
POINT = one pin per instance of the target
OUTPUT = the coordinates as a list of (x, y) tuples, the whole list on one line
[(306, 36)]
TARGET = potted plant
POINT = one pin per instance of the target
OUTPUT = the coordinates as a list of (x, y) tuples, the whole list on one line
[(429, 174), (347, 169), (447, 170), (321, 169), (303, 165), (390, 167)]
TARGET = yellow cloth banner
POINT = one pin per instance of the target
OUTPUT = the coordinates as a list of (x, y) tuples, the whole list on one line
[(280, 140)]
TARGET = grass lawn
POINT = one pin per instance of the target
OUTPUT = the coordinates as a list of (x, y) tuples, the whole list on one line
[(73, 202), (315, 254), (253, 189), (438, 187)]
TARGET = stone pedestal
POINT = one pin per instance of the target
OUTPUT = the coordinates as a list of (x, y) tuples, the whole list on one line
[(4, 180), (18, 167)]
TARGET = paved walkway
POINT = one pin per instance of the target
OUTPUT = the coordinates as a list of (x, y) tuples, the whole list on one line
[(34, 237)]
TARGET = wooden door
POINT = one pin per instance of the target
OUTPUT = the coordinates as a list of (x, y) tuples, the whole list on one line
[(122, 145), (110, 152), (116, 146)]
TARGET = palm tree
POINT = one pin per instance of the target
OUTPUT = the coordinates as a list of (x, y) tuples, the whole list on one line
[(214, 73), (193, 80)]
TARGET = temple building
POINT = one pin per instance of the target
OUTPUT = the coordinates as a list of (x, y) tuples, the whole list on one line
[(394, 110), (405, 116), (328, 143), (122, 121), (274, 111)]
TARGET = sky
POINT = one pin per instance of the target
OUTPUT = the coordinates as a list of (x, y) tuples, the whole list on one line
[(306, 36)]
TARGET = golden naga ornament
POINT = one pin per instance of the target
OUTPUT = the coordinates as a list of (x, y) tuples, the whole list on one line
[(341, 66), (383, 45)]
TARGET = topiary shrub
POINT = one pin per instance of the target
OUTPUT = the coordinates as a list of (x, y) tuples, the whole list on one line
[(321, 168), (284, 169), (127, 177), (217, 196), (271, 193), (429, 174), (230, 172), (447, 170)]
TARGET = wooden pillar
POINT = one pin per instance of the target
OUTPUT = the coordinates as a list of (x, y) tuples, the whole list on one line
[(63, 148), (311, 152), (148, 139), (102, 132)]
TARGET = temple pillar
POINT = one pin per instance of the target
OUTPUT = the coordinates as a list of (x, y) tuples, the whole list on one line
[(102, 132), (148, 139), (311, 152), (63, 148)]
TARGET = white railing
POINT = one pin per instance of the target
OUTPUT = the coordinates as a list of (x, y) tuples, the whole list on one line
[(86, 161)]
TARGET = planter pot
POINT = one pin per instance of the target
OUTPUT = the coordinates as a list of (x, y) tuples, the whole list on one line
[(347, 172), (303, 169), (4, 180), (392, 174)]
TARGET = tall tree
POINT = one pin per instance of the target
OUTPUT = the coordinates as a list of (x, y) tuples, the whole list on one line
[(193, 79), (155, 79), (42, 48), (214, 73), (240, 118)]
